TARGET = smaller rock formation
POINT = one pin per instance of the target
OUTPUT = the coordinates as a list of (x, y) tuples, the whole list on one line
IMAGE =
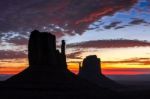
[(91, 71), (91, 67)]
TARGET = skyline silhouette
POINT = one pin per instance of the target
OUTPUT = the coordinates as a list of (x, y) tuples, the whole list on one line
[(47, 72), (48, 76)]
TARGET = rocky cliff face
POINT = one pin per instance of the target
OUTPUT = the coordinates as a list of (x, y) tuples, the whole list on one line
[(42, 50), (43, 53)]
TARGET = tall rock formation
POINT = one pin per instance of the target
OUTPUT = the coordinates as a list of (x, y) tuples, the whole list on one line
[(45, 61), (42, 50)]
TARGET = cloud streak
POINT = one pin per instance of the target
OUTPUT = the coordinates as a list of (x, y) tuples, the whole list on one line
[(138, 21), (12, 54), (112, 25), (109, 44), (75, 55), (134, 61)]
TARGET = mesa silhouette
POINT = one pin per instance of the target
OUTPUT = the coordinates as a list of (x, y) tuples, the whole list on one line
[(47, 75), (91, 71)]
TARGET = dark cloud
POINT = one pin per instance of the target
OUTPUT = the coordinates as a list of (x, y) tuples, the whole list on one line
[(110, 44), (56, 15), (12, 54), (138, 21), (112, 25), (121, 26), (116, 24), (74, 55), (18, 40)]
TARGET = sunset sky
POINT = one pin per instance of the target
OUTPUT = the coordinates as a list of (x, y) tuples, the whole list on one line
[(117, 31)]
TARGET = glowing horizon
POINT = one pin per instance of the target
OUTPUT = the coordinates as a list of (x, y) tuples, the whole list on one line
[(74, 67), (110, 65)]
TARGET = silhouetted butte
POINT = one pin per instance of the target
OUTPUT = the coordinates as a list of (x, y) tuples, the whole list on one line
[(91, 71), (46, 64)]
